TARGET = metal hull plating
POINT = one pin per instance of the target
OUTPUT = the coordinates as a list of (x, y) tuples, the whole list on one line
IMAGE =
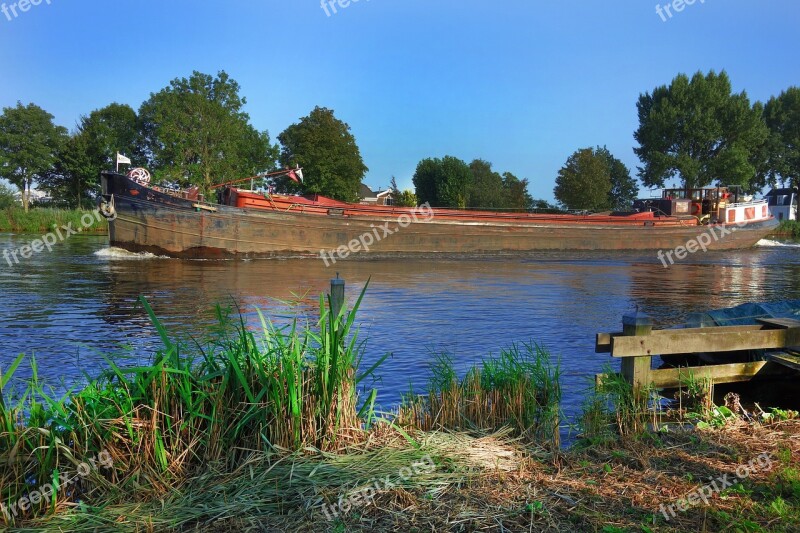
[(149, 220)]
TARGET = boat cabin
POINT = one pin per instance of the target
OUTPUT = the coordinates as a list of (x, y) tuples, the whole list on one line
[(709, 205)]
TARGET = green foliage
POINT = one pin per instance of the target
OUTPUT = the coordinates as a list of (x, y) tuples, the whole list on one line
[(443, 182), (29, 144), (789, 227), (326, 150), (486, 190), (45, 219), (782, 115), (624, 189), (195, 132), (699, 130), (7, 198), (75, 179), (286, 389), (405, 199), (584, 182), (516, 194)]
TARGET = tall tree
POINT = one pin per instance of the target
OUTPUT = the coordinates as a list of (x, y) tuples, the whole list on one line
[(782, 115), (624, 188), (443, 182), (584, 182), (515, 193), (323, 145), (195, 132), (29, 143), (698, 130), (91, 149), (486, 190)]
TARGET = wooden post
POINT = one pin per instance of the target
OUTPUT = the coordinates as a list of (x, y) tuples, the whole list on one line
[(637, 369), (337, 297)]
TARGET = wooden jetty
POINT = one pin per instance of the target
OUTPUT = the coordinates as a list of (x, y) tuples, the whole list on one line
[(638, 343)]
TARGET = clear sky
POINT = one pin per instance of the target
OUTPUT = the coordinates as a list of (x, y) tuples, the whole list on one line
[(520, 83)]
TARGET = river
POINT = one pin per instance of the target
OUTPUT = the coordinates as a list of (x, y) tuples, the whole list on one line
[(78, 303)]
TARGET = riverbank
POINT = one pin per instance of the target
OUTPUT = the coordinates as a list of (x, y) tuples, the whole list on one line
[(45, 219), (789, 228), (265, 430)]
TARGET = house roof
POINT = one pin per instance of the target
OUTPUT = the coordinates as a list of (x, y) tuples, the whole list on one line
[(365, 192), (781, 192)]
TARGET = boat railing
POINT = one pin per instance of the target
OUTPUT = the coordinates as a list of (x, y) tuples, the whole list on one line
[(751, 203)]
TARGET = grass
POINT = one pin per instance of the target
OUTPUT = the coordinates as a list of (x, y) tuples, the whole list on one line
[(519, 389), (45, 219), (285, 390), (789, 228)]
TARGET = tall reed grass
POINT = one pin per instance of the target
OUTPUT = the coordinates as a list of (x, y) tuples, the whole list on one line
[(519, 389), (238, 394), (617, 409)]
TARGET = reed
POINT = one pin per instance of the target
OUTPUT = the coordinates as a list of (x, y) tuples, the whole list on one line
[(617, 409), (287, 389), (519, 389), (46, 219)]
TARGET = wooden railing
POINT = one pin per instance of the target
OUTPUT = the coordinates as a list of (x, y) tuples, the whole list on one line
[(639, 342)]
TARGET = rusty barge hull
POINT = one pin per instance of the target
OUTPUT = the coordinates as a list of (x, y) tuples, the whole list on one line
[(152, 221)]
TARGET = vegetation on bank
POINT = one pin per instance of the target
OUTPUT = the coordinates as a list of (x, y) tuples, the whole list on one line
[(46, 219), (265, 430), (790, 228)]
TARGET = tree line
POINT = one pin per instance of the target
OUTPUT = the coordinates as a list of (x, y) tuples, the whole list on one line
[(195, 132), (192, 132), (696, 131)]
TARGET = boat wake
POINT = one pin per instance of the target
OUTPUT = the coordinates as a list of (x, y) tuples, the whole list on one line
[(118, 253), (770, 242)]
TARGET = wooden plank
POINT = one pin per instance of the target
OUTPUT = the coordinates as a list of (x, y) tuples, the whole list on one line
[(748, 327), (603, 340), (670, 378), (715, 340), (602, 343), (782, 323), (785, 359)]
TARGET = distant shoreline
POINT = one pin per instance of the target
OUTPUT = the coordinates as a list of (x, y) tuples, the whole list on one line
[(39, 220)]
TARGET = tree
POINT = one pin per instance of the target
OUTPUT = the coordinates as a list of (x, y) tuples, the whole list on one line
[(486, 190), (624, 188), (698, 130), (515, 192), (782, 116), (6, 197), (90, 150), (195, 132), (584, 182), (405, 199), (443, 182), (328, 153), (29, 142), (543, 205)]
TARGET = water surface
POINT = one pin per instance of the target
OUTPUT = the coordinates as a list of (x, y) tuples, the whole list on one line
[(79, 302)]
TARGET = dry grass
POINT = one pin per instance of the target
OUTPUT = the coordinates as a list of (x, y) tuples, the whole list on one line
[(491, 483)]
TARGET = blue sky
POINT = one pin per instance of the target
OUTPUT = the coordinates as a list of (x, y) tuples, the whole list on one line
[(522, 84)]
